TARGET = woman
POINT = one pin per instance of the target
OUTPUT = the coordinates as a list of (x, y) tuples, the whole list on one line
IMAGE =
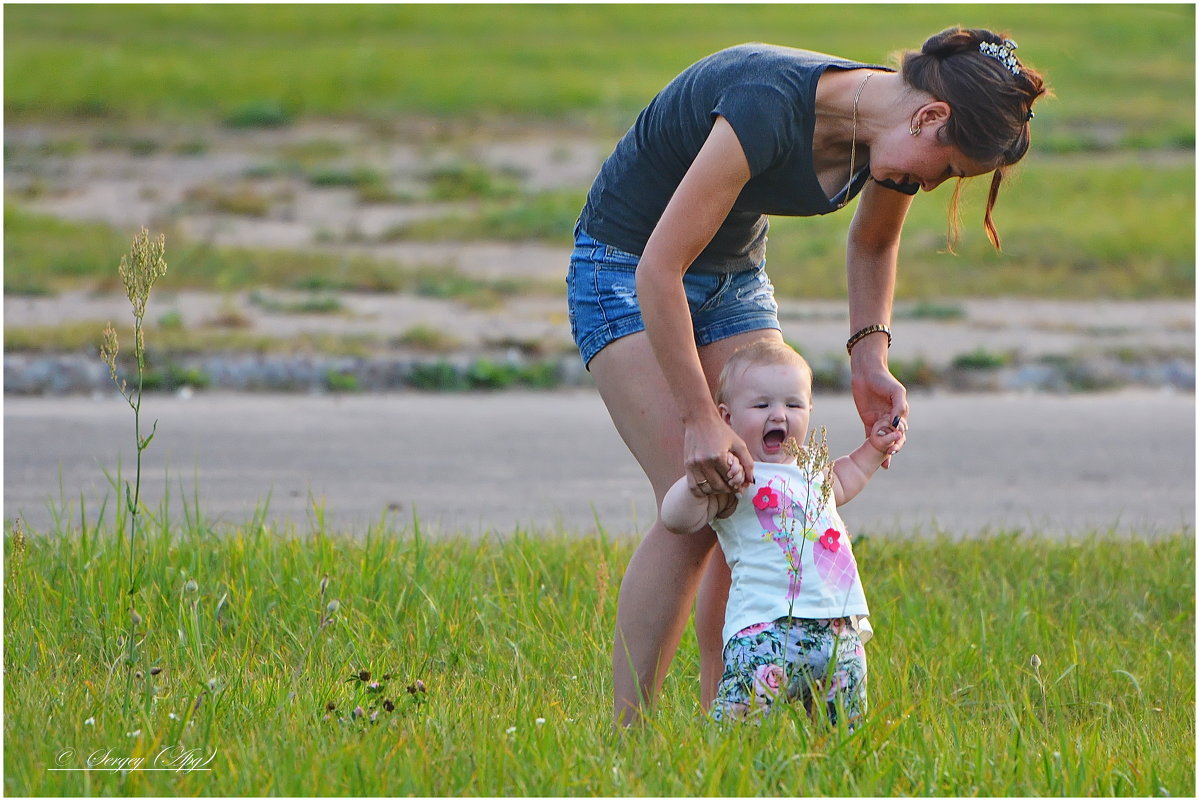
[(668, 279)]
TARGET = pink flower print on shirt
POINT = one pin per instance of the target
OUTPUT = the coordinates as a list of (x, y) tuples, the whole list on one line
[(831, 539), (773, 507), (767, 500), (835, 564)]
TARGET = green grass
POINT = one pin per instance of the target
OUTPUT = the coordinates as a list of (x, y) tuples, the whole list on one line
[(1090, 228), (166, 342), (542, 215), (1098, 227), (510, 636), (44, 254), (312, 304), (1128, 68), (465, 181), (1088, 215)]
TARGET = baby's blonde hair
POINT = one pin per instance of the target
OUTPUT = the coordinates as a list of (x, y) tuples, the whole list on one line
[(762, 352)]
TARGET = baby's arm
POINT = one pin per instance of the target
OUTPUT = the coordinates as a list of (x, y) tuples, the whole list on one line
[(852, 472), (683, 512)]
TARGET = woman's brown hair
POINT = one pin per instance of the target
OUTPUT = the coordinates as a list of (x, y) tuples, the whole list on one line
[(991, 105)]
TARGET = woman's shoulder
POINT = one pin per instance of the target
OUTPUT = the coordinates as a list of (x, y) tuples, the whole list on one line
[(787, 70)]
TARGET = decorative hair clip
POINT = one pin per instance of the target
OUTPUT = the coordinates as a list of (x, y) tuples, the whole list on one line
[(1003, 54), (1031, 114)]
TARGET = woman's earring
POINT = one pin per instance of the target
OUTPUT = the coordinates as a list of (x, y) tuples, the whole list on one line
[(914, 129)]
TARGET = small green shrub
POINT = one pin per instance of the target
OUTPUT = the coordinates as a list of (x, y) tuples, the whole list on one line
[(243, 200), (426, 337), (260, 114), (437, 377), (913, 372), (171, 321), (172, 376), (929, 310), (485, 374), (21, 286), (981, 359), (191, 147), (540, 375), (338, 381), (316, 304), (370, 184), (468, 180)]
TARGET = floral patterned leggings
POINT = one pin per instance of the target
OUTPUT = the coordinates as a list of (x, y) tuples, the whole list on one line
[(793, 658)]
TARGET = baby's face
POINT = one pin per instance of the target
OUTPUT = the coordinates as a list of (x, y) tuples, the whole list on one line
[(770, 404)]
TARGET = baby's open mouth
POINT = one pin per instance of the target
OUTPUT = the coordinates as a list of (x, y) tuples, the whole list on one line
[(773, 440)]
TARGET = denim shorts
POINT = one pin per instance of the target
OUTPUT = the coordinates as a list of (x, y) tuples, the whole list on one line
[(602, 294)]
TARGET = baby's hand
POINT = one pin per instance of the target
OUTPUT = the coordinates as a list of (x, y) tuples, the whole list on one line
[(888, 439), (736, 473)]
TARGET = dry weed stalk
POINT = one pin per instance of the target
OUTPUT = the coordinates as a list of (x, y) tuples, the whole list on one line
[(814, 460), (139, 270), (601, 583), (16, 558)]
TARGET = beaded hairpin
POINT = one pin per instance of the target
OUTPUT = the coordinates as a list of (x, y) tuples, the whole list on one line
[(1003, 54)]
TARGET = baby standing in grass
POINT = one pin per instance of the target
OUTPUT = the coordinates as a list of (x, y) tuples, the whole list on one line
[(795, 622)]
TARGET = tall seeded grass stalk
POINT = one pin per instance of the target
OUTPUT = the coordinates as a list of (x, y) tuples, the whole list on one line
[(139, 270)]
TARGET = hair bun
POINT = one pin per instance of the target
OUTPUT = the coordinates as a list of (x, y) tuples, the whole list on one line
[(952, 41), (990, 93)]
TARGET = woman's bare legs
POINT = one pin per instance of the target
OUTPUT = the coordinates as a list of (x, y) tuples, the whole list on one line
[(666, 570)]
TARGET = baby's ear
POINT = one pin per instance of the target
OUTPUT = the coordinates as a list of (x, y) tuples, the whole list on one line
[(724, 413)]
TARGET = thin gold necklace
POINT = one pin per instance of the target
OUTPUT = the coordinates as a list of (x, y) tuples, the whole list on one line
[(853, 140)]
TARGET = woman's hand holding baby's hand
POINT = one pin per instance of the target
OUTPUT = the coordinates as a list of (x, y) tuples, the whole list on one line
[(888, 439), (736, 474), (709, 446)]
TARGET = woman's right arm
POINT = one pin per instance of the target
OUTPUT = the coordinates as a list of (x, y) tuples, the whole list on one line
[(698, 207), (872, 252)]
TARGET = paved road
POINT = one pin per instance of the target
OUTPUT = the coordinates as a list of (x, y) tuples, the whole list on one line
[(491, 462)]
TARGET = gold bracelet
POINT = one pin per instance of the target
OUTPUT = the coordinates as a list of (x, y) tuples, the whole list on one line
[(865, 332)]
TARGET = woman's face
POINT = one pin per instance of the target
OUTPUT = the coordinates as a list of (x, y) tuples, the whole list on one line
[(922, 159)]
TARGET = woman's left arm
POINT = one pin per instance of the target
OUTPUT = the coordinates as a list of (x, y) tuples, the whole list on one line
[(871, 255)]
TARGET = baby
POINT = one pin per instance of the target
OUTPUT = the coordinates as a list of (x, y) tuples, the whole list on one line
[(795, 622)]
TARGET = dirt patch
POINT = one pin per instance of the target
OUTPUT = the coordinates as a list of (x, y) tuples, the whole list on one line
[(286, 186), (262, 189)]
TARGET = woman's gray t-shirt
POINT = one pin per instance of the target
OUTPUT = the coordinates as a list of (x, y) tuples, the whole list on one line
[(768, 95)]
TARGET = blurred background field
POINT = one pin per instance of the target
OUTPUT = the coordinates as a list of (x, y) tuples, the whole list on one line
[(341, 185), (442, 152), (1124, 73)]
